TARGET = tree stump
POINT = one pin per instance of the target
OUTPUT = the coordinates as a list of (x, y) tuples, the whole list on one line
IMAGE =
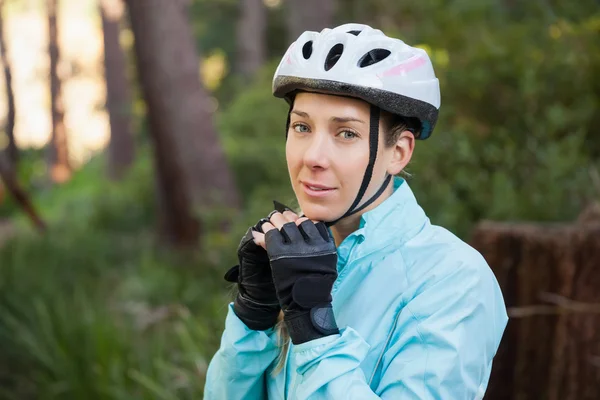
[(550, 278)]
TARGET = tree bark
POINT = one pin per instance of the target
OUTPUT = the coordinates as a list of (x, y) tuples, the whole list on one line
[(191, 165), (550, 278), (252, 26), (118, 93), (170, 76), (58, 152), (12, 150), (309, 15)]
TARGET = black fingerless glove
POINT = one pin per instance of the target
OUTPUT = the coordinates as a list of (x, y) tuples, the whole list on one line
[(304, 265), (256, 303)]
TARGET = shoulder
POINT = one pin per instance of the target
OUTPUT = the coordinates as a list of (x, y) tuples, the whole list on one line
[(439, 249), (437, 260), (450, 281)]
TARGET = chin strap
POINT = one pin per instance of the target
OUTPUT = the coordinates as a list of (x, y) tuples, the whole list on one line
[(373, 146), (366, 203)]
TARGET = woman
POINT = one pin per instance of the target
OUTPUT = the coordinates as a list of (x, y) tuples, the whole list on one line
[(378, 303)]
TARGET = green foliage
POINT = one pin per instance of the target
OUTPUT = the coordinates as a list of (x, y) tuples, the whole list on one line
[(253, 134), (95, 310), (30, 169), (213, 22), (516, 139)]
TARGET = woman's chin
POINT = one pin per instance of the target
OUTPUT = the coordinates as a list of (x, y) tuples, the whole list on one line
[(318, 212)]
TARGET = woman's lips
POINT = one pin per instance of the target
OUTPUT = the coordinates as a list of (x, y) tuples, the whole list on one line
[(316, 190)]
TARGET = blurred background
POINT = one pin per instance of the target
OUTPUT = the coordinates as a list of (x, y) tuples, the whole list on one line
[(139, 139)]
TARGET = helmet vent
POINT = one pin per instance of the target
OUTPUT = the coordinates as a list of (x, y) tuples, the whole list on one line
[(373, 57), (333, 56), (355, 33), (307, 49)]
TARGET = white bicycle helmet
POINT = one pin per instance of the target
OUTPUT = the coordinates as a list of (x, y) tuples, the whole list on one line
[(358, 61)]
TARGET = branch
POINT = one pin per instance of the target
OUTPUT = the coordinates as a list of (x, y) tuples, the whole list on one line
[(7, 175), (561, 305)]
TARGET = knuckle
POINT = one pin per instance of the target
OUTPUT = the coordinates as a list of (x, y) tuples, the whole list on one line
[(290, 215)]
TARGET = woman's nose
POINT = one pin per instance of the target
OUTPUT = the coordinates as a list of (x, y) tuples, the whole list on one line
[(316, 154)]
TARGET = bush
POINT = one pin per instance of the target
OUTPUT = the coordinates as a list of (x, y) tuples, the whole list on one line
[(253, 132), (95, 310)]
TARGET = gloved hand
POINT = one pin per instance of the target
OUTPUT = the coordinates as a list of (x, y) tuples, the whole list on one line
[(304, 266), (256, 303)]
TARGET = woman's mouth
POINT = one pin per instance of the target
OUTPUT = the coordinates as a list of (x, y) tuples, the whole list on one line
[(316, 190)]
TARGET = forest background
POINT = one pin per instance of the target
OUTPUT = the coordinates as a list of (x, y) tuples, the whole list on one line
[(139, 139)]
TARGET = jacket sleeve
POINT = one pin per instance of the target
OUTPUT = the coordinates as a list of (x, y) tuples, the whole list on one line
[(237, 369), (441, 346)]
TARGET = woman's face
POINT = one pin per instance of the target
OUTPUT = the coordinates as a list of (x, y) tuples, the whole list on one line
[(327, 153)]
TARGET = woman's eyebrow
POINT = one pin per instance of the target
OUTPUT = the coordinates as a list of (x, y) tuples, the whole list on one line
[(333, 119), (346, 119), (300, 113)]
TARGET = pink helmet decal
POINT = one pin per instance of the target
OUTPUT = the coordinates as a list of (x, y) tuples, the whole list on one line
[(404, 67)]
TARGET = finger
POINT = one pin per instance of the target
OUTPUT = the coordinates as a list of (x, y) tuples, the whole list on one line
[(323, 231), (309, 230), (301, 215), (301, 220), (257, 235), (273, 239), (290, 216), (291, 233), (267, 226), (278, 220), (258, 226), (259, 239)]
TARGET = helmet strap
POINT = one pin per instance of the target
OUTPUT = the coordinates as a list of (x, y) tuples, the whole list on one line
[(373, 146)]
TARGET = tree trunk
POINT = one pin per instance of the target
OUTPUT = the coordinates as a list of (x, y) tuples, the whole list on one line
[(191, 165), (252, 26), (309, 15), (58, 153), (12, 150), (170, 75), (550, 278), (8, 177), (118, 94)]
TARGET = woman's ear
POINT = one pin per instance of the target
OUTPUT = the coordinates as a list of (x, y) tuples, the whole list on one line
[(401, 152)]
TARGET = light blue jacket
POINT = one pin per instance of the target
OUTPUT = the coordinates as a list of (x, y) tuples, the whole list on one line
[(420, 315)]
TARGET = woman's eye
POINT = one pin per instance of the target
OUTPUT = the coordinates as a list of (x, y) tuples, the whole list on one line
[(301, 128), (348, 135)]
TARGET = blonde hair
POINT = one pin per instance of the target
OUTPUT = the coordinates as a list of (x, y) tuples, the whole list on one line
[(283, 342), (281, 331)]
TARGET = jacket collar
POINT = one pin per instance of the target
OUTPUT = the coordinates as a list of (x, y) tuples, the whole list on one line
[(397, 219)]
